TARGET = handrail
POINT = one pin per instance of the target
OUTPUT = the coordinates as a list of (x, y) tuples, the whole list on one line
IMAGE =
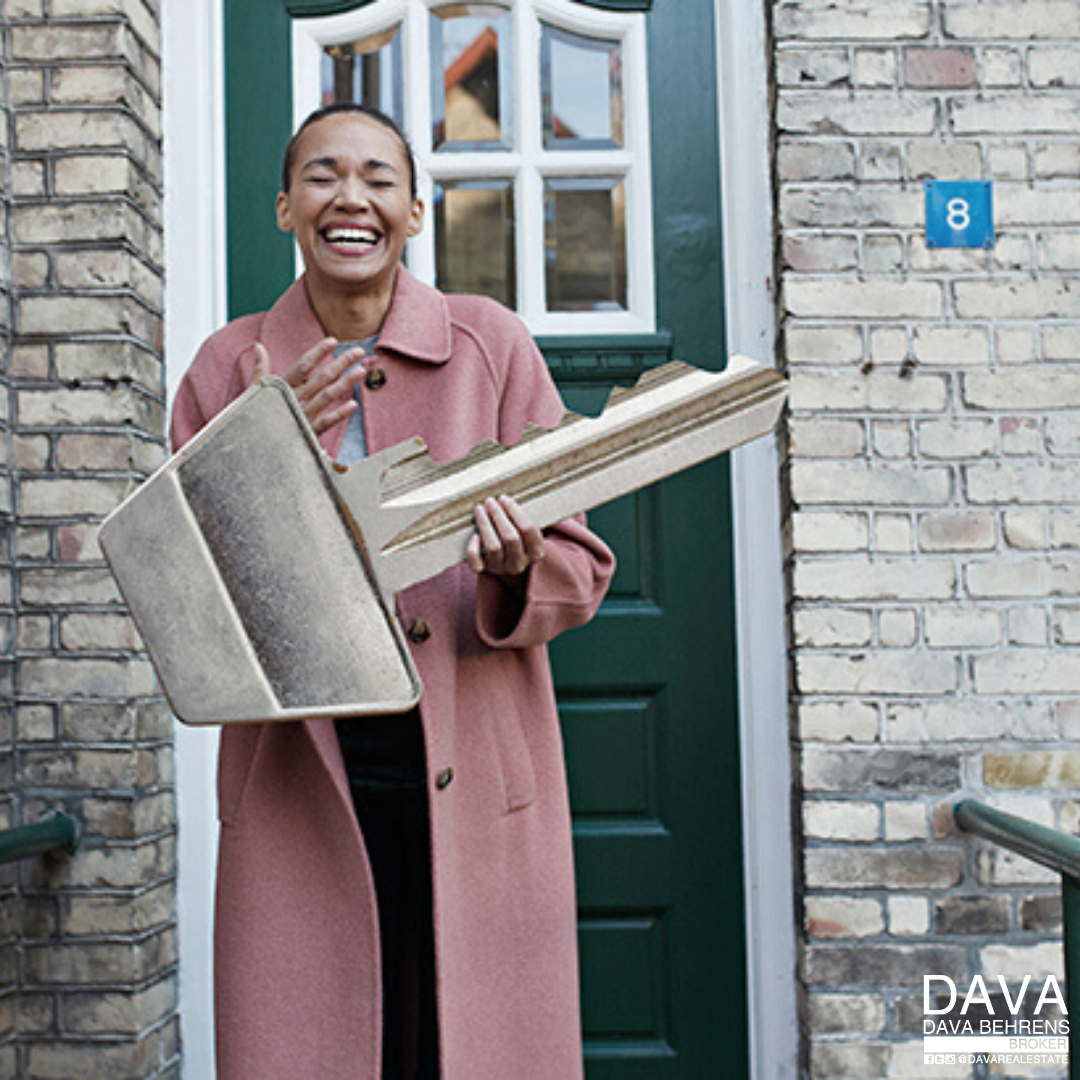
[(58, 832), (1058, 851), (1048, 847)]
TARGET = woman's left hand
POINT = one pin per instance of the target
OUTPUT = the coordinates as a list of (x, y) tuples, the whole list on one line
[(506, 542), (322, 381)]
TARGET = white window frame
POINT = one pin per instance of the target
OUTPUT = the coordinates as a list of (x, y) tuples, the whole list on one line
[(526, 163)]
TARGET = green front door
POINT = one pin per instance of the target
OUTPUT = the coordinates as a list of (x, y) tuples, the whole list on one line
[(648, 690)]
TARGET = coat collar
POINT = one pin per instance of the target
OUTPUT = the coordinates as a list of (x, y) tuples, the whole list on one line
[(417, 324)]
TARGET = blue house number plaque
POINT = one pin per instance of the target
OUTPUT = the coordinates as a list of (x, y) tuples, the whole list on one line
[(959, 213)]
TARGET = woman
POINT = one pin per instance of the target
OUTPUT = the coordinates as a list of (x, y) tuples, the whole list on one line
[(345, 945)]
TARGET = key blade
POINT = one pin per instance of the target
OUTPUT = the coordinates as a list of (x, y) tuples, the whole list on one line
[(674, 417)]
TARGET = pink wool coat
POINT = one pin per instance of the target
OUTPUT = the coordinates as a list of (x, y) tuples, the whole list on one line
[(296, 937)]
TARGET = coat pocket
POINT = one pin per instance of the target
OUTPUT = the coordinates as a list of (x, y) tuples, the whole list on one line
[(515, 759), (239, 745)]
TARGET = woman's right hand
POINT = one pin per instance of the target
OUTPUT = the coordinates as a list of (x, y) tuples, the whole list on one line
[(323, 383)]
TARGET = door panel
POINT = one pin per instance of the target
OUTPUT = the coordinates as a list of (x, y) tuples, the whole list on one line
[(646, 696)]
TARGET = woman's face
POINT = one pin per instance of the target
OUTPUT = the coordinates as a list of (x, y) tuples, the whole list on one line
[(349, 203)]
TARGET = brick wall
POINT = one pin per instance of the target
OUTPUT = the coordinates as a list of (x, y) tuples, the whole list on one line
[(95, 962), (933, 529), (8, 940)]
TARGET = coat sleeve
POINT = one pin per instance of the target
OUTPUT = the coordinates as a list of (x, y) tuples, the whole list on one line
[(565, 588), (218, 375), (189, 414)]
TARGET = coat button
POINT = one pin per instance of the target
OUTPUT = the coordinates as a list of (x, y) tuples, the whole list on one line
[(443, 780), (419, 631), (375, 378)]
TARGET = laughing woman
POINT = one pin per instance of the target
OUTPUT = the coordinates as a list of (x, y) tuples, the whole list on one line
[(396, 895)]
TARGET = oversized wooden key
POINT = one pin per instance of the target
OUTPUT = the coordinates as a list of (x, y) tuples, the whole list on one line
[(261, 575)]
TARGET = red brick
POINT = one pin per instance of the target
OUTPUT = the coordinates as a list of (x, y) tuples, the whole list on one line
[(933, 68)]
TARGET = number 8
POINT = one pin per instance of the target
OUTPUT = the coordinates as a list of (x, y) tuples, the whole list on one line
[(958, 214)]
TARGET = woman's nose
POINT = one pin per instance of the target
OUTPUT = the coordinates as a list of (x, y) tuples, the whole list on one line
[(352, 193)]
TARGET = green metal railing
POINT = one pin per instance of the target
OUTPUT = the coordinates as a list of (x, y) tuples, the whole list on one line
[(1060, 853), (57, 833)]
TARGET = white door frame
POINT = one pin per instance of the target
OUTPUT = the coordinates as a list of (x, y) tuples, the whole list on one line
[(195, 306), (749, 276)]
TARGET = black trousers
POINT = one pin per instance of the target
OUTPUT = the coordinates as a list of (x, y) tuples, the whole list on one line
[(394, 821)]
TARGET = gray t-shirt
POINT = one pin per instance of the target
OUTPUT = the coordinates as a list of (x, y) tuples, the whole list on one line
[(354, 445)]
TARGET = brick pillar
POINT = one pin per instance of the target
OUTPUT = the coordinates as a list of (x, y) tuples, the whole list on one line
[(96, 968), (934, 532), (8, 809)]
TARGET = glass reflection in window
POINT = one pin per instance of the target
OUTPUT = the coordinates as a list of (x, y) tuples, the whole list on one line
[(585, 244), (474, 238), (471, 80), (581, 90), (367, 72)]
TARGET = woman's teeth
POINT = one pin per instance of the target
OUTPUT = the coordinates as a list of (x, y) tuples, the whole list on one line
[(351, 236)]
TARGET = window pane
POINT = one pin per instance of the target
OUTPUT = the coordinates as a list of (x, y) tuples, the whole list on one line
[(581, 89), (367, 72), (585, 244), (471, 81), (474, 238)]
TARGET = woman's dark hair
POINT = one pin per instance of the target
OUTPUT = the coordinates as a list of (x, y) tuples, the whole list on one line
[(333, 110)]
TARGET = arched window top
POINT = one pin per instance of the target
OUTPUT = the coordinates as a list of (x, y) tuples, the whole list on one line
[(529, 121)]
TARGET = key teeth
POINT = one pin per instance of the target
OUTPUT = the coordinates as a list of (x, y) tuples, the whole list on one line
[(393, 457), (413, 468), (479, 451), (535, 431), (409, 465), (649, 378)]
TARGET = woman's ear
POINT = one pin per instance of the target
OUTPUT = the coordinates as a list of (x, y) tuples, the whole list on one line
[(281, 207), (416, 218)]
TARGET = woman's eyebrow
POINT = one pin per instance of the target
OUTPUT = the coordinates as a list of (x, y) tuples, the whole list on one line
[(378, 163), (332, 163), (320, 163)]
